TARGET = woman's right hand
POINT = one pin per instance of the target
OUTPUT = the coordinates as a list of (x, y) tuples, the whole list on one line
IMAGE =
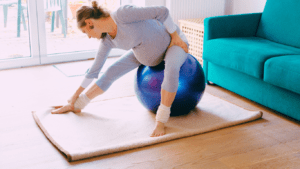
[(176, 40)]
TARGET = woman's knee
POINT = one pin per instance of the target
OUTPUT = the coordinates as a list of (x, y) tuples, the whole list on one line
[(175, 55), (173, 65), (111, 71), (171, 71)]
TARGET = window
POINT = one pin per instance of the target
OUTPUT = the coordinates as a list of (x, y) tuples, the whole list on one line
[(44, 31)]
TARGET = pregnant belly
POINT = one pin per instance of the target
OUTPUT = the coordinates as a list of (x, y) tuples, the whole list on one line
[(152, 52)]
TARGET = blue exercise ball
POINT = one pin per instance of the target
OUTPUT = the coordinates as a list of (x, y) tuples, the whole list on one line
[(191, 86)]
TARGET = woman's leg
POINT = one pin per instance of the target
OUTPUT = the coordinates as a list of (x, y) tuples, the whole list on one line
[(124, 65), (174, 58)]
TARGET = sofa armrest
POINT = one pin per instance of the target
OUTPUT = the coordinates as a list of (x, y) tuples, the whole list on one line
[(243, 25)]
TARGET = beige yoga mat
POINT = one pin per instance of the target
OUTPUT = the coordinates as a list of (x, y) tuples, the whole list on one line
[(120, 124)]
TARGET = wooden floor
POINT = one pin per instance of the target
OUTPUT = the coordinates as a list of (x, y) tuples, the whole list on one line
[(272, 142)]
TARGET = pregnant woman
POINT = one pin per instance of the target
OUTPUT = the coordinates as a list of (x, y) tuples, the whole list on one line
[(149, 35)]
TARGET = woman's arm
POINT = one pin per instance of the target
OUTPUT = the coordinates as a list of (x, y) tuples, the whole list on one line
[(93, 72), (100, 59), (130, 13), (176, 40), (73, 99)]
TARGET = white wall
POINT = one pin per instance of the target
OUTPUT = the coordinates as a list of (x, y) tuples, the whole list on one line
[(229, 6), (155, 3), (146, 2), (244, 6)]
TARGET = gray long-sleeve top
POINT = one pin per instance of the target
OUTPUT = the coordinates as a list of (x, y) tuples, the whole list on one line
[(145, 30)]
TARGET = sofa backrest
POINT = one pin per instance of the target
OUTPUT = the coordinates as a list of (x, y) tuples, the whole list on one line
[(280, 22)]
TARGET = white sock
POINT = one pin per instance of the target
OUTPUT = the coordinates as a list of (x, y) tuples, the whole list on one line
[(163, 113), (81, 102)]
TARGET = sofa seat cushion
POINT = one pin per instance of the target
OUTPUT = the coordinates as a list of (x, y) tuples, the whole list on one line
[(244, 54), (284, 72)]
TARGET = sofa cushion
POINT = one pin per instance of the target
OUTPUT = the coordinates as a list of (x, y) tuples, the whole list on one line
[(247, 54), (284, 72), (280, 22)]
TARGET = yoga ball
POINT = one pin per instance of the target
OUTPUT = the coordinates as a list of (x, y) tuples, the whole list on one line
[(191, 86)]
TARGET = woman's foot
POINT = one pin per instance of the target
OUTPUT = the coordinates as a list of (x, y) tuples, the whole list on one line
[(159, 130), (64, 109)]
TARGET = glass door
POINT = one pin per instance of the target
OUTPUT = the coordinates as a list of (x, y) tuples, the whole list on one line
[(35, 32), (60, 39), (18, 34)]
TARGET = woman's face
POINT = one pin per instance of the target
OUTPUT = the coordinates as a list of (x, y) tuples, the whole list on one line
[(91, 30)]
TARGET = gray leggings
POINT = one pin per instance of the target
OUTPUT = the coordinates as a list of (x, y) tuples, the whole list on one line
[(174, 58)]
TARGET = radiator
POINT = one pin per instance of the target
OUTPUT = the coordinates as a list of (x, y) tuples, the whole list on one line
[(188, 9)]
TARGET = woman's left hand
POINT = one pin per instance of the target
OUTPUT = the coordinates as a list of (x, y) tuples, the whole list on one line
[(176, 40)]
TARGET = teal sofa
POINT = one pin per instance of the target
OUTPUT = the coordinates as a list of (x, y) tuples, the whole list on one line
[(257, 55)]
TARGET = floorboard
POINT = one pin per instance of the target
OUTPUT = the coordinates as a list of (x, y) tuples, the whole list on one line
[(271, 142)]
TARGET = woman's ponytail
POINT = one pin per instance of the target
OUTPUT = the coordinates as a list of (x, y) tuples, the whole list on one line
[(87, 12)]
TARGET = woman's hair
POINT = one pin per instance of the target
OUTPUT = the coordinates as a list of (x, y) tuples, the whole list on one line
[(87, 12)]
